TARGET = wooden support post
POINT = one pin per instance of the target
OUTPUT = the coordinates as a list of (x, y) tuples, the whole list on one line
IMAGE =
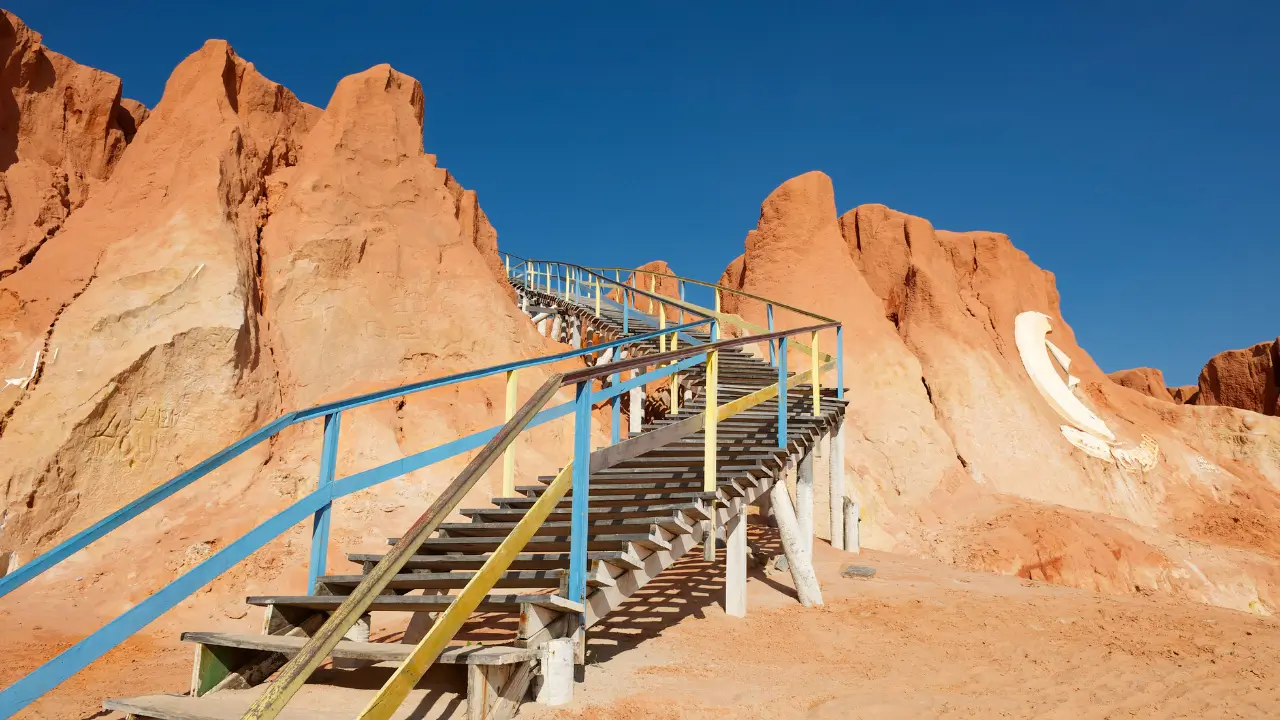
[(802, 575), (804, 502), (637, 406), (556, 674), (735, 565), (509, 455), (494, 692), (835, 498)]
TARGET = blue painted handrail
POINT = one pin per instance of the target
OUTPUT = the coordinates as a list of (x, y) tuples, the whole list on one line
[(85, 537), (78, 656)]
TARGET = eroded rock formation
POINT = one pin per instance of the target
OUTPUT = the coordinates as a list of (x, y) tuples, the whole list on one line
[(1248, 379), (958, 455), (1148, 381)]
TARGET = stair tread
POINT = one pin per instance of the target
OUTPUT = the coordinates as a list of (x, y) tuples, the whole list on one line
[(381, 652), (418, 603)]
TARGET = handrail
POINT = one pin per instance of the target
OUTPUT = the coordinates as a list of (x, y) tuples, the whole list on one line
[(72, 660), (85, 537), (576, 475), (718, 286), (317, 648)]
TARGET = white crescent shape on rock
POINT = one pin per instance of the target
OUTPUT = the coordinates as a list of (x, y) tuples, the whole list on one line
[(1029, 331)]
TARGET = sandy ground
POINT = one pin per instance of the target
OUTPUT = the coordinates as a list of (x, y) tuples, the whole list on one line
[(920, 639)]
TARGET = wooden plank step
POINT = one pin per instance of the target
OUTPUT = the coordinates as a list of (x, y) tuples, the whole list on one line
[(523, 561), (418, 580), (564, 513), (606, 501), (418, 603), (378, 652), (539, 543), (596, 523)]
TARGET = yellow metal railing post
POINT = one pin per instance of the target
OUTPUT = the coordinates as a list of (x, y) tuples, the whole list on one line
[(509, 457), (597, 297), (709, 433), (653, 288), (717, 300), (817, 398)]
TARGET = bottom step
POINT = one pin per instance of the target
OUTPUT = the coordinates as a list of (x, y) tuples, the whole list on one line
[(378, 652)]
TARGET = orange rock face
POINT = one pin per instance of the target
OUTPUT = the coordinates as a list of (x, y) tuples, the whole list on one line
[(1246, 379), (1148, 381), (243, 255), (955, 451), (62, 132), (1184, 394)]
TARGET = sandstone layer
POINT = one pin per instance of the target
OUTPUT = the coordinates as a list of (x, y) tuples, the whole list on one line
[(959, 456)]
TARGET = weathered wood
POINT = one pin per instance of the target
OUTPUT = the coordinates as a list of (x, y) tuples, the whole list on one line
[(512, 692), (735, 564), (802, 575), (556, 661), (213, 664), (257, 667), (377, 652), (804, 503)]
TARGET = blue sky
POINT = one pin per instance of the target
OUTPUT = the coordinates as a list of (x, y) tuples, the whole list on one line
[(1131, 148)]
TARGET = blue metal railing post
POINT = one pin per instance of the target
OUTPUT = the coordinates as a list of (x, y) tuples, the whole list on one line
[(320, 524), (773, 358), (840, 362), (581, 480), (715, 330), (782, 393)]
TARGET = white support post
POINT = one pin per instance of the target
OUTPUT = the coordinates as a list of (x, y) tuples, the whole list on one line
[(802, 574), (637, 406), (804, 502), (836, 496), (556, 676), (735, 565), (557, 327), (542, 327), (575, 333), (852, 529)]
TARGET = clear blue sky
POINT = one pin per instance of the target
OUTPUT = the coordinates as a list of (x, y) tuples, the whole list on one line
[(1131, 148)]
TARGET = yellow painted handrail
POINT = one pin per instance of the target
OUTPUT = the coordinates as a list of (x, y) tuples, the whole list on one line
[(397, 687)]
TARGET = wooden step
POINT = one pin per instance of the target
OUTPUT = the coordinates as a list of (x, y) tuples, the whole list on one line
[(596, 523), (565, 513), (418, 603), (523, 561), (419, 580), (377, 652), (608, 501), (540, 543)]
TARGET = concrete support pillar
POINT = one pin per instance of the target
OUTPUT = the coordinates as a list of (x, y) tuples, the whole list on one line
[(575, 333), (555, 682), (735, 565), (557, 328), (804, 503), (835, 500), (802, 574)]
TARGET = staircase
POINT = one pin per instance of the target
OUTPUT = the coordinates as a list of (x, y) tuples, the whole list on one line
[(645, 513)]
